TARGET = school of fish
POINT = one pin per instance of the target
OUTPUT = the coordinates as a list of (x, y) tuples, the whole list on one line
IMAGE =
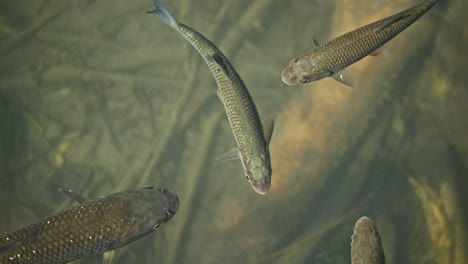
[(100, 226)]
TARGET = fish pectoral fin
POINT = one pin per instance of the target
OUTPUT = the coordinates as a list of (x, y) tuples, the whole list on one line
[(230, 155), (108, 256), (220, 96), (75, 196), (344, 76), (381, 52), (268, 125), (216, 59), (391, 22), (315, 43)]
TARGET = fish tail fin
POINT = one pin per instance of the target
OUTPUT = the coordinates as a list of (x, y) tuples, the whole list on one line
[(163, 12)]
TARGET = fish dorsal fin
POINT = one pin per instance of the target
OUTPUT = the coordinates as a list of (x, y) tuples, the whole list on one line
[(230, 155), (268, 126), (108, 256), (315, 43), (75, 196), (218, 60), (344, 76), (391, 22)]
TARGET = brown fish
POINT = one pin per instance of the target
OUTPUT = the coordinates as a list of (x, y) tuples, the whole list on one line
[(331, 58), (93, 227), (366, 247)]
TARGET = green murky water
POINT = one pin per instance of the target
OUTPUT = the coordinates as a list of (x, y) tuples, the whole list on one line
[(100, 97)]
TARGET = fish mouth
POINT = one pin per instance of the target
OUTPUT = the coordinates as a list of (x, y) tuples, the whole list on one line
[(262, 192), (286, 77), (172, 201), (261, 188)]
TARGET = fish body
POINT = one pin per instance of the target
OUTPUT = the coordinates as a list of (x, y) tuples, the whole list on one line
[(90, 228), (252, 144), (366, 246), (328, 59)]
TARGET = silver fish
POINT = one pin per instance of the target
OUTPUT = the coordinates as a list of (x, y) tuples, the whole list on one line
[(331, 58), (251, 136)]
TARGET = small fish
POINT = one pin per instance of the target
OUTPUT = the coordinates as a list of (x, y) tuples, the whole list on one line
[(251, 136), (366, 247), (93, 227), (331, 58)]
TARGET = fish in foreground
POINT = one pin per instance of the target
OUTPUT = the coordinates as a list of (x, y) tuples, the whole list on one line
[(251, 135), (93, 227), (331, 58), (366, 247)]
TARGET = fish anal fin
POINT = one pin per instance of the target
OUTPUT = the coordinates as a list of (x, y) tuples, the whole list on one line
[(230, 155), (391, 22), (345, 77), (381, 52), (75, 196), (268, 125), (108, 256)]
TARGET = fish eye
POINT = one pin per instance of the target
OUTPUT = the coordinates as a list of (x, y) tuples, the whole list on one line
[(163, 191), (303, 81), (156, 226), (248, 178)]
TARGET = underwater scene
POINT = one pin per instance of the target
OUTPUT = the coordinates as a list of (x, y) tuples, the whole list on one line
[(336, 118)]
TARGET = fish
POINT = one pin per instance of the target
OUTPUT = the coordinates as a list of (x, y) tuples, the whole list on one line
[(92, 227), (251, 134), (366, 245), (332, 58)]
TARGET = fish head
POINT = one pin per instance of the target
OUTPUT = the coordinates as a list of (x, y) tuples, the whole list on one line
[(366, 236), (258, 172), (154, 206), (148, 208), (302, 70)]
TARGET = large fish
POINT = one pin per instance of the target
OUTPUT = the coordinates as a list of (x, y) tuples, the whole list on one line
[(93, 227), (366, 247), (331, 58), (251, 136)]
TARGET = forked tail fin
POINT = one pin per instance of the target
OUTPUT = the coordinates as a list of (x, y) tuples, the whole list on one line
[(163, 12)]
